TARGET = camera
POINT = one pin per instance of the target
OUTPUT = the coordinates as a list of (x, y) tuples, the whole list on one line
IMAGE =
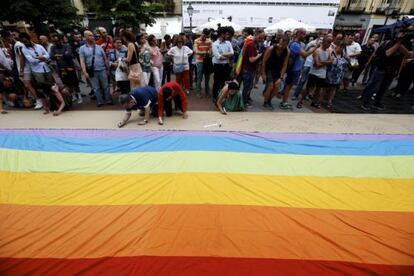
[(403, 31)]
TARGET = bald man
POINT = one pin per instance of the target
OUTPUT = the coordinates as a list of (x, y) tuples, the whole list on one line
[(105, 41), (44, 41), (95, 67)]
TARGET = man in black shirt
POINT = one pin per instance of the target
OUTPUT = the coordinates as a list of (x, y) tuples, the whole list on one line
[(387, 61)]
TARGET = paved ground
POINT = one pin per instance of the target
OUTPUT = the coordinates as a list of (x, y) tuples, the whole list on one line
[(207, 120), (345, 102)]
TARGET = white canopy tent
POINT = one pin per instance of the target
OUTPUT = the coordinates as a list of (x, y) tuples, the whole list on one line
[(213, 24), (288, 24), (165, 25)]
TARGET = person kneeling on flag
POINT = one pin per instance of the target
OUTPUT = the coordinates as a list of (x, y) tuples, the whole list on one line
[(139, 98), (171, 92)]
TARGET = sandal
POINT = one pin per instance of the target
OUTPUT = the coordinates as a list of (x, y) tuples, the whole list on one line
[(329, 106)]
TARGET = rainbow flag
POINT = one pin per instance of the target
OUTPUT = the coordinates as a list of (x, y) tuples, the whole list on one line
[(205, 203), (239, 62)]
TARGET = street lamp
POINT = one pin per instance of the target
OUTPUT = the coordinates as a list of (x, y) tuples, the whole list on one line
[(190, 11), (388, 12)]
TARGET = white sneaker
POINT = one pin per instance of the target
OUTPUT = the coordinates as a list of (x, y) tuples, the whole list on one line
[(79, 100), (39, 105)]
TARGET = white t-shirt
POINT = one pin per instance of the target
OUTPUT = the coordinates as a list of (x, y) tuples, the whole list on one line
[(181, 55), (353, 49), (18, 52), (5, 61)]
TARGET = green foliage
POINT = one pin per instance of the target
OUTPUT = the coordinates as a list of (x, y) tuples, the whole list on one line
[(40, 13), (127, 13)]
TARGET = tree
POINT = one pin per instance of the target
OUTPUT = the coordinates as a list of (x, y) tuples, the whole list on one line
[(126, 13), (41, 14)]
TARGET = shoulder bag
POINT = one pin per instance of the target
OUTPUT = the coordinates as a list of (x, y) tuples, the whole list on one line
[(179, 68)]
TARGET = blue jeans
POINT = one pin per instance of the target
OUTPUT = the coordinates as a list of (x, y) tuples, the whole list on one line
[(378, 83), (303, 79), (247, 79), (100, 84), (200, 74)]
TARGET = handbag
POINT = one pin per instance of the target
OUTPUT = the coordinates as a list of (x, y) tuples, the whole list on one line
[(121, 72), (354, 63), (179, 68), (135, 71)]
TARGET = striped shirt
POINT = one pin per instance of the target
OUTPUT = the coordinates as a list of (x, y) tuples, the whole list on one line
[(202, 48)]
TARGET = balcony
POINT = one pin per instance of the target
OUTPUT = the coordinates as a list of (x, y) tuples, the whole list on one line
[(388, 11), (354, 7)]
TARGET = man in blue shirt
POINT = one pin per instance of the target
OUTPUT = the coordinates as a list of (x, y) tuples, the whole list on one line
[(140, 98), (37, 57), (222, 55), (95, 67), (295, 65)]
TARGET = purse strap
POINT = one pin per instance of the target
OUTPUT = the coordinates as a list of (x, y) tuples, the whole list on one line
[(135, 50), (93, 57)]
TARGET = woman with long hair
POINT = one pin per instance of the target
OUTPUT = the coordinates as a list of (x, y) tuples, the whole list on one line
[(135, 70)]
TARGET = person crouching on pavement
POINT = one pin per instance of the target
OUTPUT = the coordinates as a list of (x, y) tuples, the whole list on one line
[(139, 98), (230, 98), (171, 92)]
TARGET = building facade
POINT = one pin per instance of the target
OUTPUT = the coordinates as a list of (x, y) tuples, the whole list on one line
[(262, 13), (364, 15)]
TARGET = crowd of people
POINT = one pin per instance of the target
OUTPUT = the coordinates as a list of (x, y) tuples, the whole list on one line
[(136, 69)]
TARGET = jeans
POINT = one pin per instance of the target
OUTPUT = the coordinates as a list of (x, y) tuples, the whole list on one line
[(247, 79), (100, 85), (166, 74), (357, 72), (406, 78), (200, 74), (302, 81), (146, 76), (368, 74), (157, 74), (378, 84), (191, 73)]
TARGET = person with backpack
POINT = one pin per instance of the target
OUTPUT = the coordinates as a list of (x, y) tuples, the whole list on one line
[(294, 65)]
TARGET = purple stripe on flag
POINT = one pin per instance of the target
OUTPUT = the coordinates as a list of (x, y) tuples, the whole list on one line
[(100, 133)]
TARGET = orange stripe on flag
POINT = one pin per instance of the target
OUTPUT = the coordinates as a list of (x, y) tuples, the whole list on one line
[(202, 230)]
